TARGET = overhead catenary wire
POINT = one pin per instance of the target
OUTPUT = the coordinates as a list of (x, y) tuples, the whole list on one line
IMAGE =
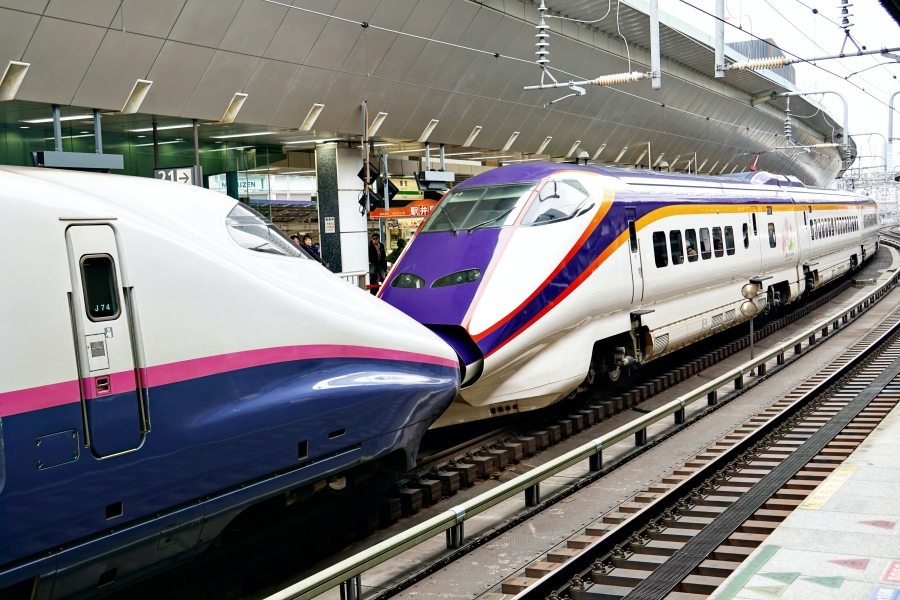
[(584, 22), (799, 58), (498, 55)]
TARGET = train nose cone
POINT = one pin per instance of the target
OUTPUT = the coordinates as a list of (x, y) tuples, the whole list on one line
[(444, 304)]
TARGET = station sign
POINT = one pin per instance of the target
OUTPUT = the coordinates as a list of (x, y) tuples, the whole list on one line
[(183, 175), (417, 209)]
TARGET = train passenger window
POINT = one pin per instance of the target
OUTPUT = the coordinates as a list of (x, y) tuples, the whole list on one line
[(690, 238), (812, 229), (660, 252), (729, 241), (804, 218), (717, 242), (746, 232), (101, 296), (705, 248), (753, 218), (253, 231), (677, 248), (557, 201), (772, 243)]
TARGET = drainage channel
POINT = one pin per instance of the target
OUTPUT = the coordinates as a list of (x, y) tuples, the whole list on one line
[(682, 537)]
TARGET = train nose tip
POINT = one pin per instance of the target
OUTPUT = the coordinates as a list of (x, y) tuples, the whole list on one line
[(471, 359)]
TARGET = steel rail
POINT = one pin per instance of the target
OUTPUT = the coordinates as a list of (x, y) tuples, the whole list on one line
[(453, 518)]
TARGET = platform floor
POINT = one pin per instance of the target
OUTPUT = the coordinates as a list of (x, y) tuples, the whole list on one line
[(843, 542)]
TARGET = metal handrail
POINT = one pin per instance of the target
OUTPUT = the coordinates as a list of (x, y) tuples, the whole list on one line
[(355, 565)]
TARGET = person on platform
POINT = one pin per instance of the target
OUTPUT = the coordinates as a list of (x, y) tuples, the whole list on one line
[(377, 262), (296, 239), (393, 256), (307, 241)]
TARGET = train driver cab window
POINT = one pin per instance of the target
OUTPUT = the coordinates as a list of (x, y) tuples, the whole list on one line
[(705, 248), (557, 201), (483, 207), (690, 239), (101, 296), (729, 240), (660, 252), (772, 242), (253, 231), (677, 248), (718, 248), (746, 232)]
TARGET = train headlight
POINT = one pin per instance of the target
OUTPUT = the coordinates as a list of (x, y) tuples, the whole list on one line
[(467, 276), (408, 280)]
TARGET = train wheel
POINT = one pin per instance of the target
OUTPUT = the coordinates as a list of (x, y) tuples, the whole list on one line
[(611, 372)]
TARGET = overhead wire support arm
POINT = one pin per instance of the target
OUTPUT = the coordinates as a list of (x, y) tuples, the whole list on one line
[(781, 61)]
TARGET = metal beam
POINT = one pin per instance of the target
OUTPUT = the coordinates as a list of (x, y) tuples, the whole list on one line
[(720, 38), (655, 75)]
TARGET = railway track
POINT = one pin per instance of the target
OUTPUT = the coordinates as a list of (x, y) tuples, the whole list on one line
[(683, 536)]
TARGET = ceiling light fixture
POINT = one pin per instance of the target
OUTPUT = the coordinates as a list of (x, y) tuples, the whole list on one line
[(376, 124), (639, 158), (624, 150), (12, 78), (158, 143), (573, 149), (658, 158), (597, 153), (158, 128), (311, 117), (233, 108), (136, 97), (313, 141), (428, 129), (50, 119), (510, 141), (544, 144), (241, 135), (472, 136)]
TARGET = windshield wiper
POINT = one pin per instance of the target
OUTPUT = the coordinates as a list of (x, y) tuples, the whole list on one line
[(500, 216), (449, 220)]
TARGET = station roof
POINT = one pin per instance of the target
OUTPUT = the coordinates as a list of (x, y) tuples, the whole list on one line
[(419, 61)]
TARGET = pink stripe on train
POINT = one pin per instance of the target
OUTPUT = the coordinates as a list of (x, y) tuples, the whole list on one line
[(58, 394)]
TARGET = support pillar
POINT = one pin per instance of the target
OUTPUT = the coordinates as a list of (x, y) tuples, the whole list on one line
[(352, 589), (533, 495), (342, 228)]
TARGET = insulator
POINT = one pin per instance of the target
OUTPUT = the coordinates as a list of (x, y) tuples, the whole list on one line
[(788, 127), (542, 52), (618, 78), (760, 63)]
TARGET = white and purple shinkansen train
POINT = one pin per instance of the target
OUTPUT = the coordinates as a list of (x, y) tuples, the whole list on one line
[(168, 358), (543, 275)]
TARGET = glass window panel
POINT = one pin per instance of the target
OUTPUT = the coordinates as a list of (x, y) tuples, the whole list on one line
[(690, 238), (556, 201), (746, 232), (660, 251), (729, 240), (705, 246), (101, 297), (772, 243), (677, 248), (718, 248)]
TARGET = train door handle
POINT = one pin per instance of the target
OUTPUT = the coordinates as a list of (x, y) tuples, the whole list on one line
[(102, 386)]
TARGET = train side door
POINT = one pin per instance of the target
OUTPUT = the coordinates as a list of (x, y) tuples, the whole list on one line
[(102, 313), (637, 278)]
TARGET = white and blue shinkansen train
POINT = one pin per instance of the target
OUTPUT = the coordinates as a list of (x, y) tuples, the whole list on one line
[(543, 275), (167, 359)]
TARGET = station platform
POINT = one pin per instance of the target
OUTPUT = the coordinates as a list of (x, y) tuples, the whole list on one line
[(843, 542)]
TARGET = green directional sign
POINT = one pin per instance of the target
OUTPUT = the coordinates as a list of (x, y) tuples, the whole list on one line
[(829, 582), (786, 578), (769, 591)]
